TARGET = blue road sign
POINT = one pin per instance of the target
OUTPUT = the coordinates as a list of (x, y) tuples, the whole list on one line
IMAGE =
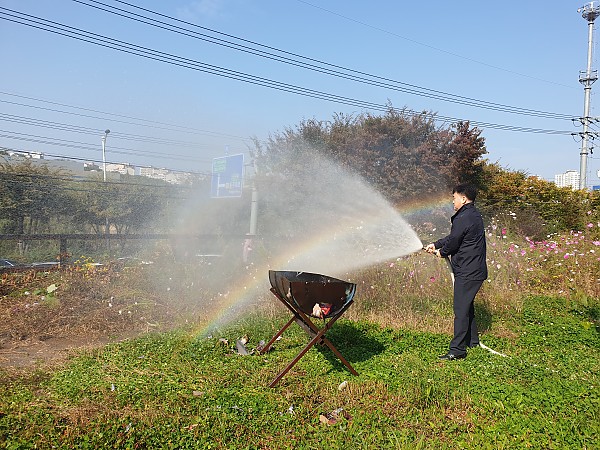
[(227, 176)]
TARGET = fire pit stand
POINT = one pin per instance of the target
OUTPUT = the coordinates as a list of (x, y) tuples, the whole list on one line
[(309, 295)]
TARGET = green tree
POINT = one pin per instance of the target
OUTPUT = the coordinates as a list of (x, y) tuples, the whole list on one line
[(404, 156), (130, 204), (30, 197), (394, 152), (464, 154), (532, 206)]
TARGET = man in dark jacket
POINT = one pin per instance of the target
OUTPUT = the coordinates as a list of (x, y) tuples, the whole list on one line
[(465, 245)]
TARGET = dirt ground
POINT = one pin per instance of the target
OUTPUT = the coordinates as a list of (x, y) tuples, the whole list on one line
[(48, 341), (35, 352), (46, 316)]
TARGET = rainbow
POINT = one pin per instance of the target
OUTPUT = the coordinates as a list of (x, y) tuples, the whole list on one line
[(251, 285)]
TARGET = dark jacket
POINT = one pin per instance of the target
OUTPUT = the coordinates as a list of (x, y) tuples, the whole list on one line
[(466, 244)]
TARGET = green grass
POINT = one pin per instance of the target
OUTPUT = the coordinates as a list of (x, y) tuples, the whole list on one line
[(180, 390)]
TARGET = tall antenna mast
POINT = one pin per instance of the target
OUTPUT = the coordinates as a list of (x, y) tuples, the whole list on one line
[(589, 12)]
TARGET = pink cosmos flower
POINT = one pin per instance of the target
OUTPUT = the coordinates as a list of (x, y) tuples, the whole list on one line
[(566, 256), (590, 225), (432, 279), (503, 231)]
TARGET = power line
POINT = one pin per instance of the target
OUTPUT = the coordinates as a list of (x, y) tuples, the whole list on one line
[(309, 63), (84, 179), (466, 58), (168, 58), (149, 123), (32, 181), (86, 146), (74, 158), (35, 185), (86, 130)]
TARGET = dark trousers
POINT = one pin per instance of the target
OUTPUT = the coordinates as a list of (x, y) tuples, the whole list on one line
[(465, 328)]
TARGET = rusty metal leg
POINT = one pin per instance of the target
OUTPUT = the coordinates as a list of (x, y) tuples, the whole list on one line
[(296, 318), (335, 351), (317, 335), (279, 333), (297, 358)]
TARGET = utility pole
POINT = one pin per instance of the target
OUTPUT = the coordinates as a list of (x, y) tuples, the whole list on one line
[(251, 236), (106, 227), (254, 203), (589, 12), (104, 153)]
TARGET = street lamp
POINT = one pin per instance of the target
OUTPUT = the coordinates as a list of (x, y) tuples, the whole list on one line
[(106, 229), (104, 153)]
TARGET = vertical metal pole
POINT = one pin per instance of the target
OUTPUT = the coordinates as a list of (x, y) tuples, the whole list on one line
[(589, 12), (253, 209), (104, 153), (586, 110), (104, 157), (106, 227), (254, 205)]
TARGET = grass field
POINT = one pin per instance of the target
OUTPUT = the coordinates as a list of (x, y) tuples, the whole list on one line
[(185, 389)]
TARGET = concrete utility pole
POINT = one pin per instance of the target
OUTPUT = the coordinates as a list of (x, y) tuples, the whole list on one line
[(104, 152), (254, 205), (106, 227), (589, 12)]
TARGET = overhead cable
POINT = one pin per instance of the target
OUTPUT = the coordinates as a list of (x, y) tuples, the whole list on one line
[(93, 38), (433, 47), (22, 120), (305, 62), (142, 122)]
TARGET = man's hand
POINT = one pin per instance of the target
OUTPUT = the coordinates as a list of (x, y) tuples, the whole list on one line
[(431, 249)]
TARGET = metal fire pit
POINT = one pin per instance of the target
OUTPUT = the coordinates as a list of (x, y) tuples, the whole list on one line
[(310, 295)]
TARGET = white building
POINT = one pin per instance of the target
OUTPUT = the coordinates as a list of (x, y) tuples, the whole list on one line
[(123, 169), (153, 172), (166, 175), (91, 167), (568, 179), (22, 154)]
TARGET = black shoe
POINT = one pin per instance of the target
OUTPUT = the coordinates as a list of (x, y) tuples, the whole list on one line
[(451, 356)]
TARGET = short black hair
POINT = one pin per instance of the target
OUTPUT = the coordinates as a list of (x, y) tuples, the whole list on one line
[(466, 189)]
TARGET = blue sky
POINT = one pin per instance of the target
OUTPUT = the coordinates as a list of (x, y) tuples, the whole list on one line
[(515, 53)]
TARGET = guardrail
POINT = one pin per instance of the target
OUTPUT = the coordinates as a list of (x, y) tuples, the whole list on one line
[(63, 239)]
